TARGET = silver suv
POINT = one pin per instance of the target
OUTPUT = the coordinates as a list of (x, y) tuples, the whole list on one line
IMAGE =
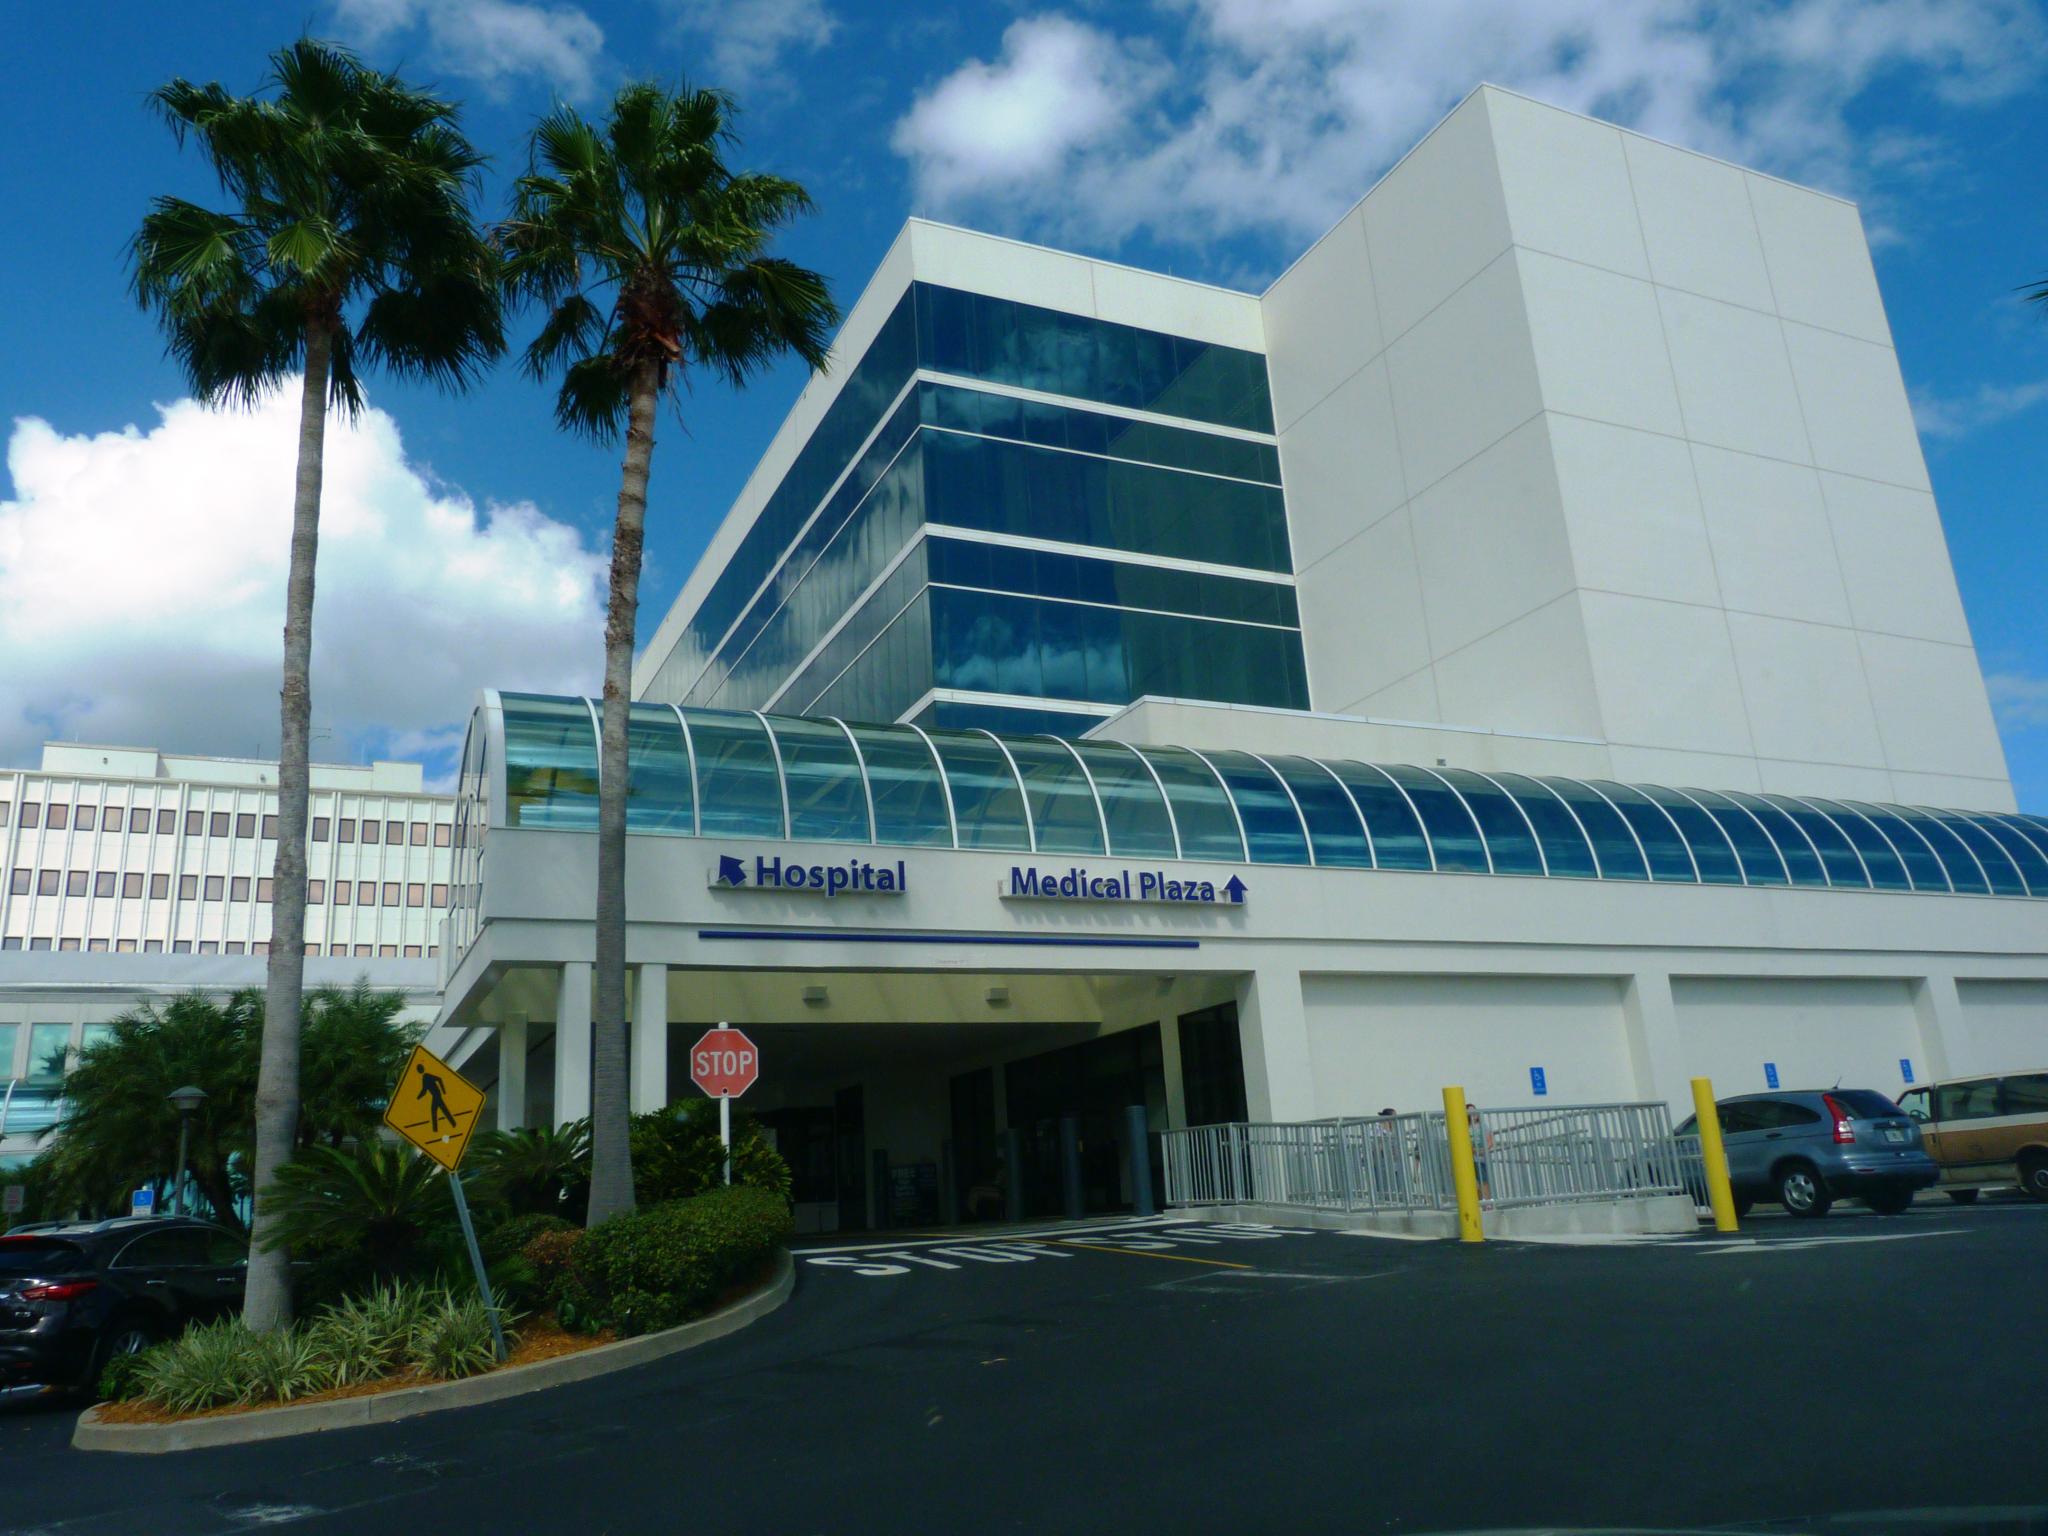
[(1806, 1149)]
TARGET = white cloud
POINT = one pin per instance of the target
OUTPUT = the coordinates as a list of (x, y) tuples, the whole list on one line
[(1058, 89), (750, 38), (1950, 416), (490, 41), (142, 589), (1278, 114), (2019, 699)]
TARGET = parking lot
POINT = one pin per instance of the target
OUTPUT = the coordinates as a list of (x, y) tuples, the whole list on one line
[(1194, 1377)]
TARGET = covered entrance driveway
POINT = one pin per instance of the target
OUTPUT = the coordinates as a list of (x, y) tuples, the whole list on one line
[(899, 1098)]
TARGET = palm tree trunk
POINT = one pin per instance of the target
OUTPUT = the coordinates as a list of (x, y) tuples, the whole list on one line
[(267, 1303), (611, 1158)]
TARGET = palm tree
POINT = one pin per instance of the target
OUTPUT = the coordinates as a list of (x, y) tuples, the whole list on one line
[(350, 240), (647, 253)]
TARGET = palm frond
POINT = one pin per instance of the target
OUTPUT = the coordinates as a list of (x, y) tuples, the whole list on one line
[(593, 399)]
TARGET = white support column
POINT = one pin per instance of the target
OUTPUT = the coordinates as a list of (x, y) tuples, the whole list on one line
[(649, 1069), (1944, 1031), (1272, 1026), (1654, 1049), (572, 1043), (511, 1090), (1169, 1065)]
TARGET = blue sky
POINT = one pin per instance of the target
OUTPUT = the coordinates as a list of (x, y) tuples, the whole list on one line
[(1212, 138)]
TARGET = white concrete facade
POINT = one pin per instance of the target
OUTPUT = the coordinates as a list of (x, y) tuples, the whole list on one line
[(1354, 990), (129, 850), (1583, 434)]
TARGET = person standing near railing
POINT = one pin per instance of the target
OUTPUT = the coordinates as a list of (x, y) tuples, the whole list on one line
[(1482, 1144)]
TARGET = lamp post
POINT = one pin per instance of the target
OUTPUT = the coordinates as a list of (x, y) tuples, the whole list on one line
[(187, 1101)]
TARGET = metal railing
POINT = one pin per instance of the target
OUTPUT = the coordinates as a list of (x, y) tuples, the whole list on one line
[(1402, 1162)]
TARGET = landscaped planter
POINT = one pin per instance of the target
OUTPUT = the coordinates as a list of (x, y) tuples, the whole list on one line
[(385, 1407)]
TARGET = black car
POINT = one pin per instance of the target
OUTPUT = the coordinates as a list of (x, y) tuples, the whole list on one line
[(74, 1296)]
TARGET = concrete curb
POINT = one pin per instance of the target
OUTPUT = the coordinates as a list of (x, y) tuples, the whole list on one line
[(409, 1402)]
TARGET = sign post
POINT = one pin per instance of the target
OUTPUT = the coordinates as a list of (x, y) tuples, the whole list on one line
[(437, 1109), (725, 1065)]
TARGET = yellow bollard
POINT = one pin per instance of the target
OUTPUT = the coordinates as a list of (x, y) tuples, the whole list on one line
[(1715, 1156), (1464, 1177)]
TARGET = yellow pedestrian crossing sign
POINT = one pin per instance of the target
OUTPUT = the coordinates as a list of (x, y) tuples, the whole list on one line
[(434, 1107)]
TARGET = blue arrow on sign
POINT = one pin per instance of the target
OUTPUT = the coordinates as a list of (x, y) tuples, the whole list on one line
[(1234, 888), (731, 871)]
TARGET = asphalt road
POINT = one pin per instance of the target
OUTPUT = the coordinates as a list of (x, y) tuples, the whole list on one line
[(1198, 1379)]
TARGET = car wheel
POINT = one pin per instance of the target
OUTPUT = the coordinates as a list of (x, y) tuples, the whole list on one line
[(1801, 1191), (123, 1336), (2034, 1176), (1889, 1201), (1964, 1196)]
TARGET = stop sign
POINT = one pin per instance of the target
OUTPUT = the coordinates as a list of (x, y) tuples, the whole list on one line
[(724, 1063)]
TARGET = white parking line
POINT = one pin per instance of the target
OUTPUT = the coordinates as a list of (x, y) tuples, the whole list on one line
[(1149, 1239), (1759, 1245)]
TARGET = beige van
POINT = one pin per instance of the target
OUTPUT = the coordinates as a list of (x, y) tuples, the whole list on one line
[(1985, 1132)]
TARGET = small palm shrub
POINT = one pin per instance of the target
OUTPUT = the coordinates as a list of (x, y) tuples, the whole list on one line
[(396, 1328), (541, 1170), (677, 1154), (365, 1215), (664, 1265), (454, 1340)]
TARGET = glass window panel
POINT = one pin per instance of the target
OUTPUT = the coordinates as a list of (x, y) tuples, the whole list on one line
[(49, 1051), (1887, 873), (1452, 831), (550, 763), (1709, 845), (1062, 805), (1761, 864), (8, 1034), (1801, 861), (1926, 871), (1508, 837), (1208, 826), (1334, 829), (827, 800), (1138, 824), (736, 780), (2033, 865), (1613, 845), (2006, 879), (1838, 853), (1272, 826), (1564, 844), (910, 798), (986, 800), (1963, 869), (657, 772), (1398, 841)]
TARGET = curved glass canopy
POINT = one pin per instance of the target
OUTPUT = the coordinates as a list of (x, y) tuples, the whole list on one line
[(730, 773)]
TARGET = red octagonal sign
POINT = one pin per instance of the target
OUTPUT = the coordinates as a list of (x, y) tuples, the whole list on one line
[(724, 1063)]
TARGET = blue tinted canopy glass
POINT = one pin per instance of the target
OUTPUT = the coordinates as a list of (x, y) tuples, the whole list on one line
[(730, 773)]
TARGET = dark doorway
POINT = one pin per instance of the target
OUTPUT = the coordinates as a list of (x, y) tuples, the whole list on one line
[(1212, 1065), (849, 1135), (803, 1135), (980, 1180), (1095, 1081)]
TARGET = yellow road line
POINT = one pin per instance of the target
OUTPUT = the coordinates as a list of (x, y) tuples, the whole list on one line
[(1144, 1253)]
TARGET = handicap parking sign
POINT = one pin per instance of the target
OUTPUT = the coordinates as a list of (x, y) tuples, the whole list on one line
[(142, 1202), (1770, 1074), (1537, 1085)]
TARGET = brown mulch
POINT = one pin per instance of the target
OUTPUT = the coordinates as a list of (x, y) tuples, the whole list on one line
[(539, 1339)]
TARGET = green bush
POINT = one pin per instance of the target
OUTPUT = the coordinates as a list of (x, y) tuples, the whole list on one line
[(398, 1327), (366, 1215), (548, 1260), (121, 1379), (663, 1265), (676, 1153), (508, 1239)]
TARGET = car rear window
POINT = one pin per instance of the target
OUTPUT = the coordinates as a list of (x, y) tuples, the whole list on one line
[(39, 1256), (1865, 1103)]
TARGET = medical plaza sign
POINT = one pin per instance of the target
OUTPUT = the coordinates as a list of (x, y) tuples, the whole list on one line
[(850, 877), (1078, 883)]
